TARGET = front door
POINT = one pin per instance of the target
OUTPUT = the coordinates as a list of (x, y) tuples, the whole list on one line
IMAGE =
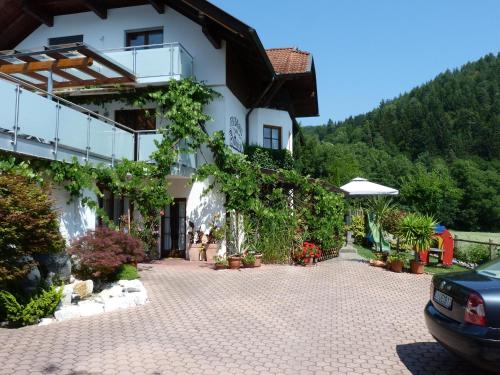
[(173, 230)]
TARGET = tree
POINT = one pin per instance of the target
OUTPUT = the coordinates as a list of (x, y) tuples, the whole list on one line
[(29, 226)]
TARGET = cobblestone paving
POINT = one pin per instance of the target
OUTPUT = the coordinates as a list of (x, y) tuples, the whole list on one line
[(341, 317)]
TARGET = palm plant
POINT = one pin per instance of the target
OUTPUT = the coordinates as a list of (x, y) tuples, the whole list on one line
[(417, 231), (381, 207)]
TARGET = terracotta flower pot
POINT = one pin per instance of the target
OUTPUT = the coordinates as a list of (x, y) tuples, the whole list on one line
[(397, 266), (219, 266), (212, 251), (377, 263), (194, 252), (416, 267), (234, 262), (258, 260)]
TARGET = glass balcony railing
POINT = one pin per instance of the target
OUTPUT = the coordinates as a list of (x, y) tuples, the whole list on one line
[(51, 127), (146, 145), (156, 62), (43, 125)]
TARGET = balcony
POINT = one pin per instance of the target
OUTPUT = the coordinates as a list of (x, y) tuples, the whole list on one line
[(154, 63), (35, 123)]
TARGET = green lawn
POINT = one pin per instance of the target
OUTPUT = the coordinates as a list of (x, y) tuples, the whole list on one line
[(432, 268), (364, 252), (477, 236)]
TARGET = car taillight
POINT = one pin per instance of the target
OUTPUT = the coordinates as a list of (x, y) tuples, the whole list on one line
[(475, 312)]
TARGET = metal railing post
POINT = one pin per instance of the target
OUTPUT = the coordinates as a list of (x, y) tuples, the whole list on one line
[(16, 116), (113, 147), (56, 138), (134, 61), (171, 60), (89, 120)]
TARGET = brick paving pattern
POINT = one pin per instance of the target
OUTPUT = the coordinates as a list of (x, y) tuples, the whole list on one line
[(341, 317)]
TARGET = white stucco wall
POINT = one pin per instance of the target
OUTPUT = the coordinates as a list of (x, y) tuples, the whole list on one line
[(209, 63), (201, 208), (74, 218), (273, 117)]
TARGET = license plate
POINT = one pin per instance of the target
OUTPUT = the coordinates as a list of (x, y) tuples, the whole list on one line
[(443, 299)]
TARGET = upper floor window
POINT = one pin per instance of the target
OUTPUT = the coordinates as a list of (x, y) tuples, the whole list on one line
[(65, 40), (144, 37), (137, 119), (272, 137)]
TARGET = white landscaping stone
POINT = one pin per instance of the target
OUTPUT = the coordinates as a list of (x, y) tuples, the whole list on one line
[(46, 321), (67, 293), (67, 312), (89, 308), (113, 292), (116, 303)]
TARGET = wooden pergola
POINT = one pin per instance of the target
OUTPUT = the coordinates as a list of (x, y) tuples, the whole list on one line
[(65, 66)]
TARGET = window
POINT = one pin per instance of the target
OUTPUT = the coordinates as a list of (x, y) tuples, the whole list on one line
[(272, 137), (137, 119), (144, 38), (116, 207), (65, 40)]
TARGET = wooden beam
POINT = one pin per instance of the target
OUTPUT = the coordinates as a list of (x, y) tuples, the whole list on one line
[(33, 75), (212, 37), (98, 7), (159, 5), (98, 76), (38, 13), (91, 82), (46, 65), (107, 63)]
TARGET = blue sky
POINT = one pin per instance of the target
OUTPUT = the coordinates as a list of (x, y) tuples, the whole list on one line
[(369, 50)]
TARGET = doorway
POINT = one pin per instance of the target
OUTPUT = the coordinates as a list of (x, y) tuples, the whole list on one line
[(173, 230)]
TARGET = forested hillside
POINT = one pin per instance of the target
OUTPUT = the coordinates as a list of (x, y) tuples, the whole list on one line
[(439, 144)]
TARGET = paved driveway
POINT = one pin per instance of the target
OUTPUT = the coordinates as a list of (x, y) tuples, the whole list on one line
[(340, 317)]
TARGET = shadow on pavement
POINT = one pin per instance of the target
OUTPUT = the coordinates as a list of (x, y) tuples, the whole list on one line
[(431, 358)]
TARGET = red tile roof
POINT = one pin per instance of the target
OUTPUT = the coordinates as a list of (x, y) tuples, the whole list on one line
[(289, 60)]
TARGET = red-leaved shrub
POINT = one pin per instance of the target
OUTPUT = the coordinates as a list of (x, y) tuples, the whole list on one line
[(99, 254)]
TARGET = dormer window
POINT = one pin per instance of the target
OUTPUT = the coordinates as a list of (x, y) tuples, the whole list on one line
[(139, 38), (272, 137)]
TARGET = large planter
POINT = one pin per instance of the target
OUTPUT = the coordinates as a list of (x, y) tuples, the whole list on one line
[(194, 252), (417, 267), (234, 262), (220, 266), (397, 266), (212, 250)]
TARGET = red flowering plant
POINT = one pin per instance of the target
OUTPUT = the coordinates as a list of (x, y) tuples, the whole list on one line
[(309, 251)]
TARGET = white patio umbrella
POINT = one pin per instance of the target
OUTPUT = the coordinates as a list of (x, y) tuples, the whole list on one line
[(362, 187)]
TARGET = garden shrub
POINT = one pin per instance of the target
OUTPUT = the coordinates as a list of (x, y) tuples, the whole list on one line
[(29, 226), (127, 272), (391, 221), (357, 228), (99, 254), (474, 254), (39, 306)]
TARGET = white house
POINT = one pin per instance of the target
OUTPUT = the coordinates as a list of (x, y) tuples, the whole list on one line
[(65, 46)]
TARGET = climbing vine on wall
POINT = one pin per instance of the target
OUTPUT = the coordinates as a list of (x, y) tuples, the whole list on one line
[(282, 206), (180, 104)]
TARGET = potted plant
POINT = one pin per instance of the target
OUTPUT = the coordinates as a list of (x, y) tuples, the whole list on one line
[(249, 260), (196, 248), (417, 231), (234, 261), (258, 259), (220, 263), (215, 237), (397, 261)]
